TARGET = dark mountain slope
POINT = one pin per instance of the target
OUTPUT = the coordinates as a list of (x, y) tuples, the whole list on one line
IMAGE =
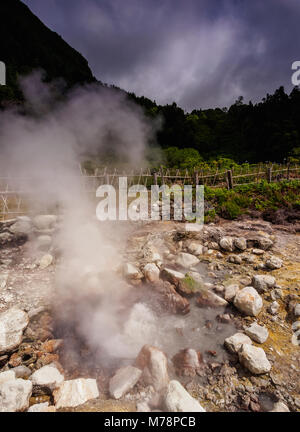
[(27, 44)]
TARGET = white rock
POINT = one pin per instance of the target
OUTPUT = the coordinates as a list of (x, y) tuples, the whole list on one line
[(45, 222), (151, 272), (254, 359), (296, 326), (274, 263), (226, 243), (296, 338), (154, 364), (187, 260), (7, 376), (240, 243), (297, 310), (263, 282), (234, 343), (177, 399), (231, 291), (75, 392), (45, 261), (15, 395), (48, 376), (123, 381), (258, 251), (12, 324), (257, 333), (132, 272), (210, 299), (42, 407), (279, 407), (248, 301), (273, 308), (195, 248)]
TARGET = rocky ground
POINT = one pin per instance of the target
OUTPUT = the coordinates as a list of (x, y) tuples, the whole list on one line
[(222, 305)]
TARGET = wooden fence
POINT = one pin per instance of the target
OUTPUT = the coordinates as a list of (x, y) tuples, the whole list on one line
[(15, 200)]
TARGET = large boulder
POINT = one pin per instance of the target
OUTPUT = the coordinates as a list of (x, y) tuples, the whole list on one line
[(235, 342), (248, 301), (187, 260), (12, 324), (191, 283), (48, 377), (257, 333), (154, 364), (264, 243), (254, 359), (7, 376), (151, 272), (23, 225), (279, 407), (75, 392), (177, 399), (263, 282), (15, 395), (124, 380)]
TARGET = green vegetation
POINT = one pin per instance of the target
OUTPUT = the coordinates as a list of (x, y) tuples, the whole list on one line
[(266, 131), (261, 197)]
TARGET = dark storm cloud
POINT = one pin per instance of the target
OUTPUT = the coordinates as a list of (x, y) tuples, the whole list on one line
[(199, 53)]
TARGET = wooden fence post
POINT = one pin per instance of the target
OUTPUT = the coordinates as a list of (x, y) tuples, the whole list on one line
[(230, 179), (162, 175), (269, 174), (196, 178), (155, 178)]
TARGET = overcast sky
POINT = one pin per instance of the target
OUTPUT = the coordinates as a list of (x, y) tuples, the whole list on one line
[(198, 53)]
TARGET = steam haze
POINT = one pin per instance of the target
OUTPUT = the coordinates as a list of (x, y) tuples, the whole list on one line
[(45, 149)]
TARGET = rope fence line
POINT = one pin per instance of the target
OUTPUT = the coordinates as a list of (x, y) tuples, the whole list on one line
[(16, 201)]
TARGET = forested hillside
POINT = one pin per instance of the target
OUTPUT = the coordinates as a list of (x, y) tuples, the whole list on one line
[(265, 131)]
